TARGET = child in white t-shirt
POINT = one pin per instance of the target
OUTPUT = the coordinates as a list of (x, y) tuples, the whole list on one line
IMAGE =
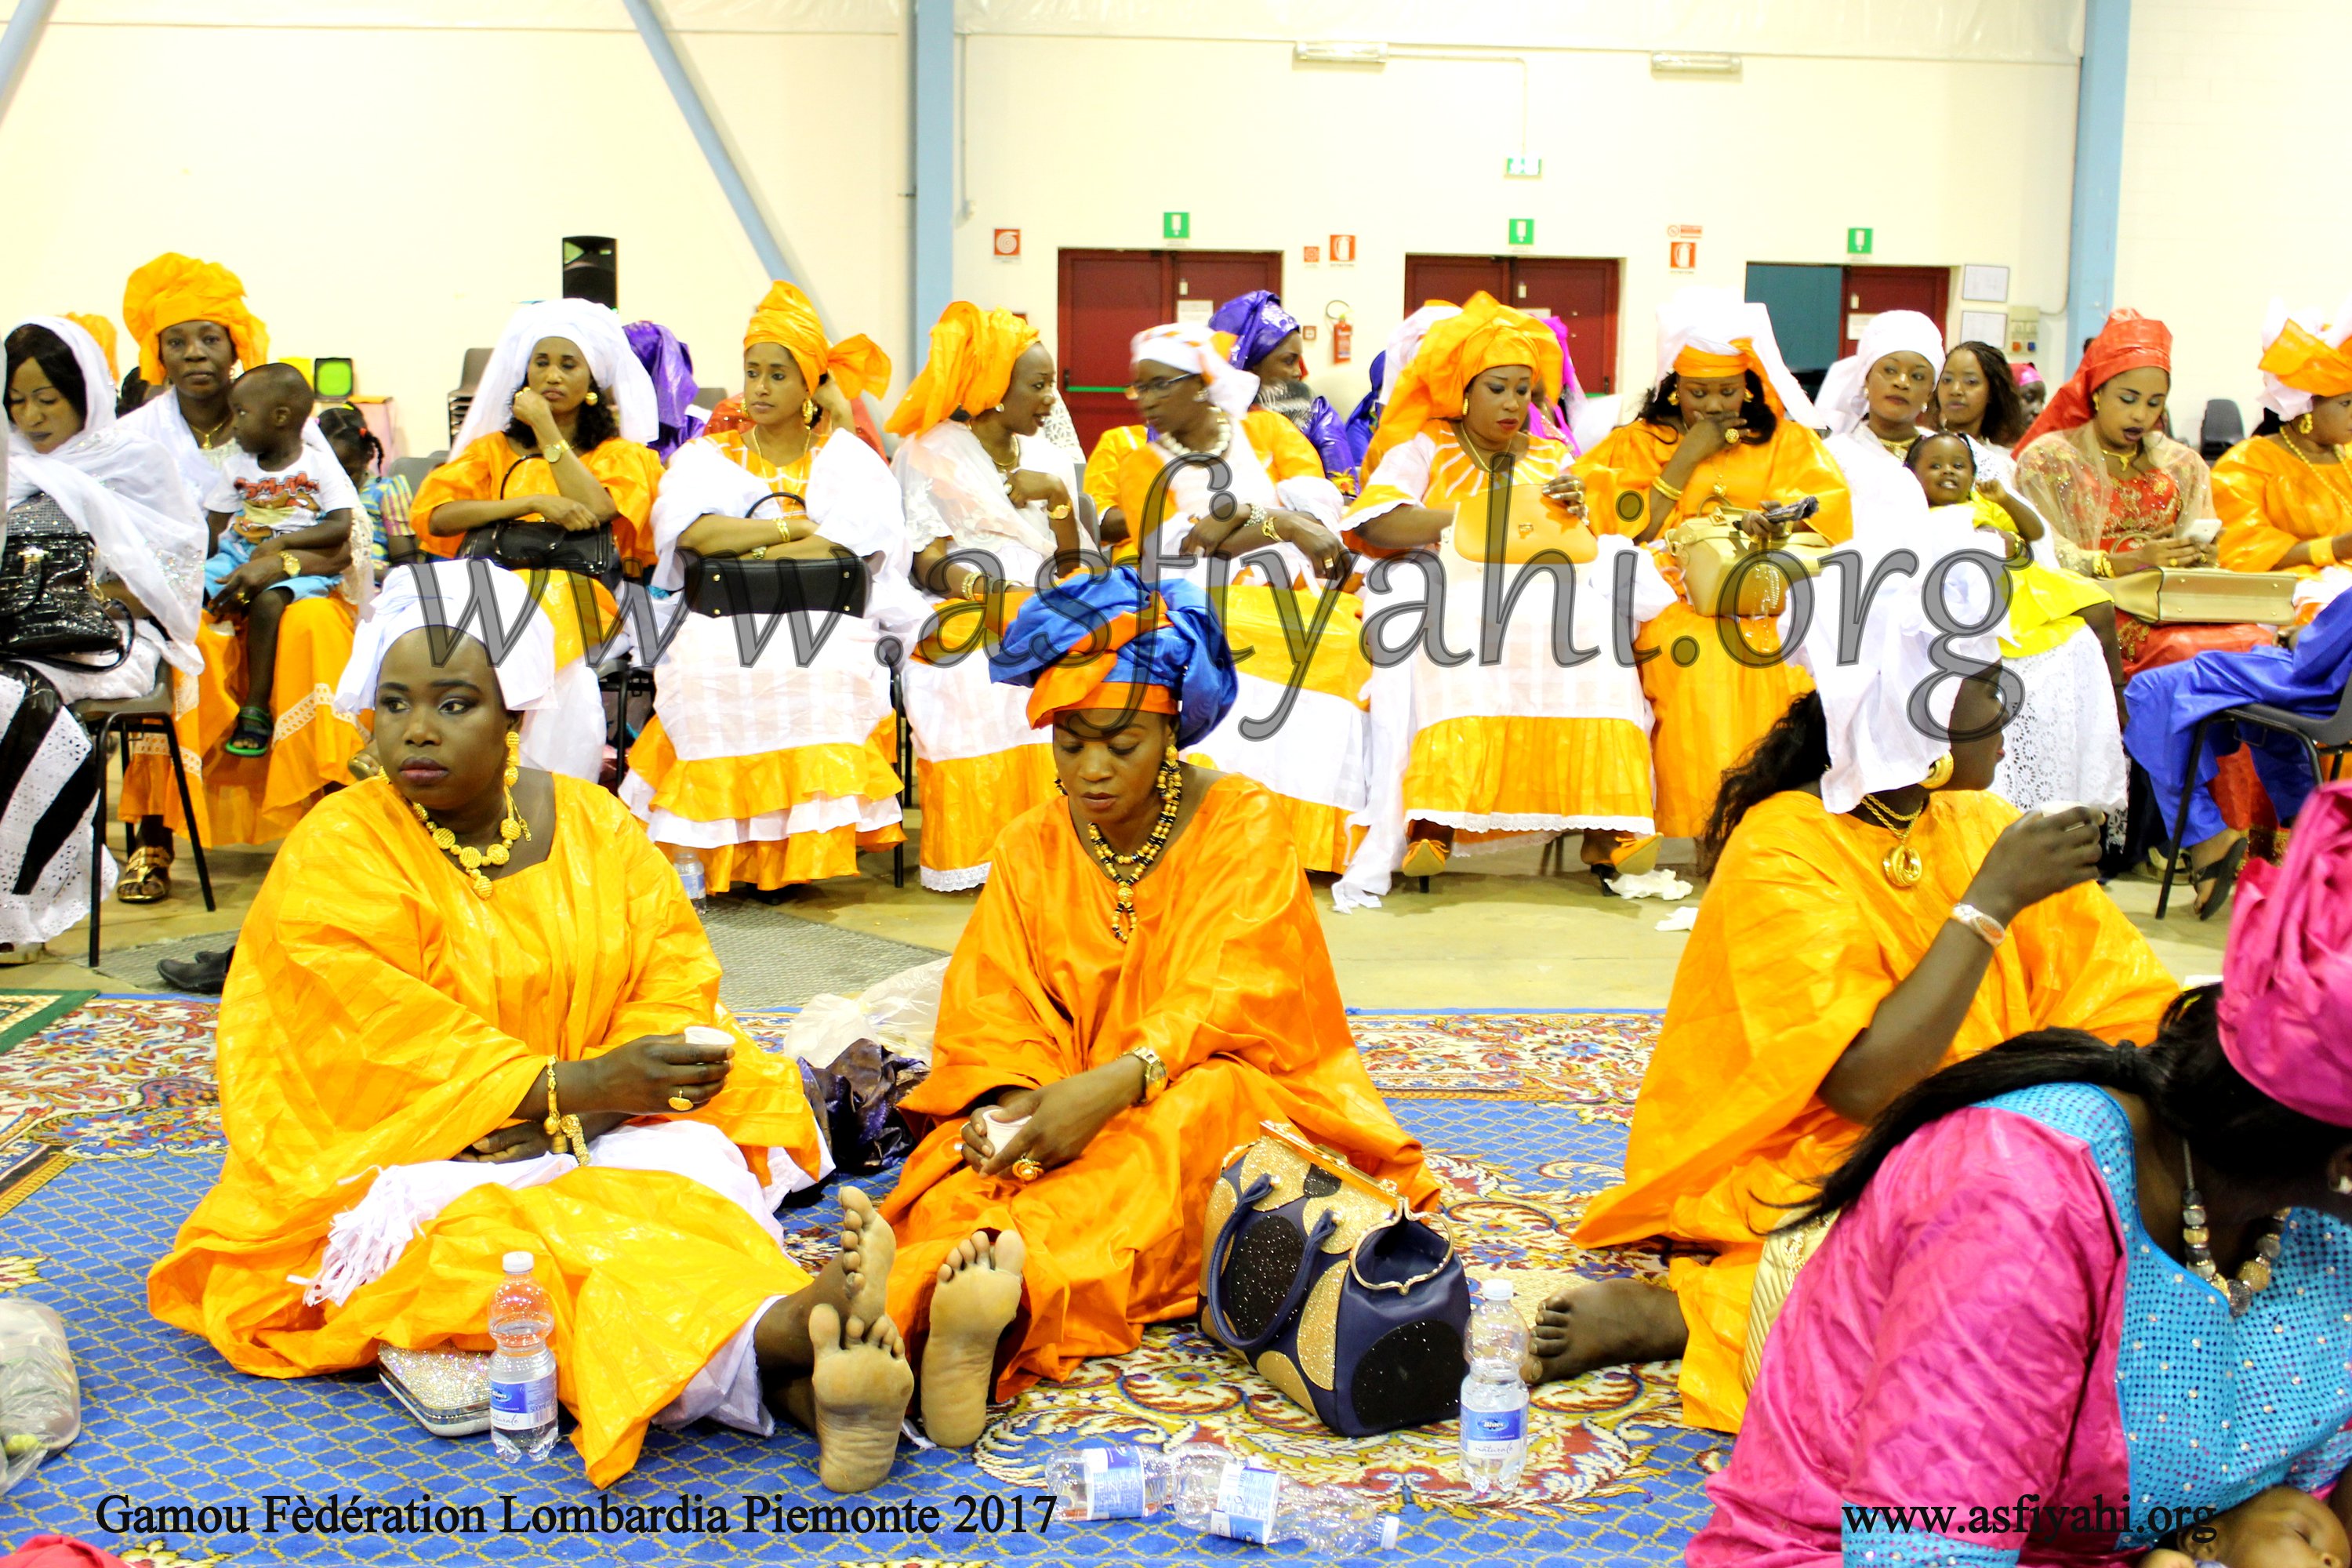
[(281, 518)]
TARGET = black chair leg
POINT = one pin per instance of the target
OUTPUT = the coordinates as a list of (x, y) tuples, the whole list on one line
[(2175, 849), (98, 831), (187, 808)]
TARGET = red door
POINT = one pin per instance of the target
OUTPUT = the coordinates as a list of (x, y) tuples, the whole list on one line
[(1108, 296), (1870, 290), (1583, 292)]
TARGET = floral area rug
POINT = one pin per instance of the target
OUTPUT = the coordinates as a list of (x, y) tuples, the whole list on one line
[(110, 1133)]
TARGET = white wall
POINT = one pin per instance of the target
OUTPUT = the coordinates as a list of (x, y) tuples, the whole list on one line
[(391, 192), (2232, 183), (1086, 141)]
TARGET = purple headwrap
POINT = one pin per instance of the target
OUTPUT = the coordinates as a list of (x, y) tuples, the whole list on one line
[(1257, 321), (671, 365), (1558, 420)]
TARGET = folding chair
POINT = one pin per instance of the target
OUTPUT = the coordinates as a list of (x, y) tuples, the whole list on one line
[(2328, 735), (126, 717)]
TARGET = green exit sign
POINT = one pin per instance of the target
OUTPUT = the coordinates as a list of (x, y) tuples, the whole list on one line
[(1175, 225), (1857, 242), (1523, 231)]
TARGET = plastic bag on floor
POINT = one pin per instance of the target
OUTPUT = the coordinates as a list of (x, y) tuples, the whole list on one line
[(856, 1097), (40, 1394), (897, 1012)]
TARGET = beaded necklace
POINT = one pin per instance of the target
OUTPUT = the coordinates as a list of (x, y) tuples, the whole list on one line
[(1126, 871), (470, 859), (2196, 1241)]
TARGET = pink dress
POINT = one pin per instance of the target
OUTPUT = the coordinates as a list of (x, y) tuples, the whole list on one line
[(1989, 1363)]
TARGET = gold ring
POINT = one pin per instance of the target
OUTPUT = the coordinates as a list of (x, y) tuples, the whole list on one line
[(1027, 1169), (679, 1103)]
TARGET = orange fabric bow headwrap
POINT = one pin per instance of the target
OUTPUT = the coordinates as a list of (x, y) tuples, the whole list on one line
[(99, 328), (2308, 363), (2128, 342), (786, 319), (174, 288), (972, 354), (1487, 333)]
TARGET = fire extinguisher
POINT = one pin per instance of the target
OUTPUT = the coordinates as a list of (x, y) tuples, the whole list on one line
[(1343, 341)]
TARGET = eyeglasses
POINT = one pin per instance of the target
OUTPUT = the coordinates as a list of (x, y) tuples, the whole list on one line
[(1139, 390)]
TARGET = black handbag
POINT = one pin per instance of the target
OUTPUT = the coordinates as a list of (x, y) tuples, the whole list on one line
[(543, 546), (49, 604), (1326, 1282), (737, 586)]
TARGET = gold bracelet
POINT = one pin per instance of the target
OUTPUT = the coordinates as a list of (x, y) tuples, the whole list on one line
[(1665, 489), (289, 565), (553, 1125), (2102, 565), (784, 530), (2322, 550)]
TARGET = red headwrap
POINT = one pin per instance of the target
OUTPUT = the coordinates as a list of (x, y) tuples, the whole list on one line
[(2286, 985), (2128, 342)]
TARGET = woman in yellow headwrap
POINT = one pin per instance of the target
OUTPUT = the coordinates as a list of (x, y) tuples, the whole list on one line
[(2286, 498), (987, 497), (1725, 433), (1487, 733), (775, 763), (194, 329)]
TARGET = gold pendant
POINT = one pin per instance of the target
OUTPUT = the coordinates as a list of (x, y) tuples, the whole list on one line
[(1903, 865)]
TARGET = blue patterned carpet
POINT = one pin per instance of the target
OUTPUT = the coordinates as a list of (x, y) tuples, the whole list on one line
[(107, 1137)]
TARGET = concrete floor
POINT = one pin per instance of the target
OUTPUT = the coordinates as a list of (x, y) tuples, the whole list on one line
[(1500, 935)]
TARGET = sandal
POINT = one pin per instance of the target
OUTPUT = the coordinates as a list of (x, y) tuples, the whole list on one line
[(1424, 857), (13, 953), (255, 729), (146, 877), (2223, 875)]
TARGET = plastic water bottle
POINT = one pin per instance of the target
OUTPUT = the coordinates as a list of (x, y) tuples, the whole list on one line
[(1124, 1481), (1493, 1396), (1242, 1501), (689, 866), (522, 1369)]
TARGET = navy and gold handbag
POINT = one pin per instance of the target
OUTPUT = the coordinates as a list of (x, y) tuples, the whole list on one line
[(1326, 1282)]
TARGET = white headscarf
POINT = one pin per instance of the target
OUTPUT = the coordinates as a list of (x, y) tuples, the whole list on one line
[(1717, 321), (1405, 343), (526, 672), (2288, 402), (1194, 348), (597, 332), (126, 493), (1845, 402), (1876, 741)]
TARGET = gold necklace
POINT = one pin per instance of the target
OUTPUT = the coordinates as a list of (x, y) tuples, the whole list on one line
[(751, 438), (470, 859), (1897, 447), (1901, 862), (207, 439), (1126, 871), (1502, 462), (2288, 442)]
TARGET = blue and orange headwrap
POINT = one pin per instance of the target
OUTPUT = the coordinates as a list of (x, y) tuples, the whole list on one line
[(1107, 640), (1257, 323)]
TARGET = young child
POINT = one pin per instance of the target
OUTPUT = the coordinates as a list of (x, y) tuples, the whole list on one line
[(385, 498), (2281, 1527), (281, 518), (2044, 600)]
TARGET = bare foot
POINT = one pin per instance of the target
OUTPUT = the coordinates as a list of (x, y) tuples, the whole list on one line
[(855, 1284), (859, 1395), (1612, 1322), (978, 1293)]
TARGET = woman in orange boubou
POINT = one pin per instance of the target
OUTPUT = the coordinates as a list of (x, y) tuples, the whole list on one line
[(2286, 498), (1143, 983)]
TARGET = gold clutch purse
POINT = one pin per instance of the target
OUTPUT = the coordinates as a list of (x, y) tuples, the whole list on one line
[(1516, 524), (2205, 595)]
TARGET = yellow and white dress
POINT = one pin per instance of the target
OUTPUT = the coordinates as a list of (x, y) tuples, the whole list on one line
[(775, 762)]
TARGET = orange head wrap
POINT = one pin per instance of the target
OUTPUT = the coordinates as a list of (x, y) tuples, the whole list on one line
[(2308, 362), (2128, 342), (1452, 353), (173, 289), (99, 328), (1698, 361), (972, 354), (786, 319)]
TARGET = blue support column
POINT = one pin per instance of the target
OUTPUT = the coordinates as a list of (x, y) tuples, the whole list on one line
[(2098, 171), (712, 138), (932, 100), (16, 45)]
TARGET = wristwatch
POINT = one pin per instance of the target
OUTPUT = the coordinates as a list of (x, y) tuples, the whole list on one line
[(1155, 1072), (1983, 924), (293, 567), (556, 453)]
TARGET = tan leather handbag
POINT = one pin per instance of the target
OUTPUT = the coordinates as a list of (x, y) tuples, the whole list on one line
[(2205, 595), (1531, 526), (1709, 549)]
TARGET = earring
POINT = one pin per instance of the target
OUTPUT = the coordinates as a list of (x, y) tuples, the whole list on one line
[(1674, 398), (591, 400), (1170, 775), (1748, 396), (2304, 424), (1939, 773), (2343, 1185), (808, 411), (514, 757)]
